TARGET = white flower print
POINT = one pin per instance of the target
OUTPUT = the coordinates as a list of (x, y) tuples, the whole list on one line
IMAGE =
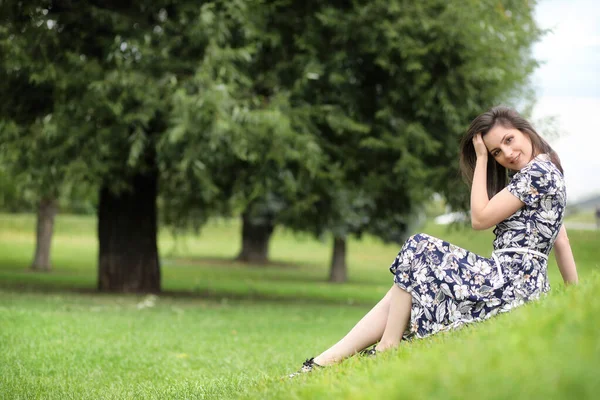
[(505, 258), (439, 244), (481, 267), (414, 325), (416, 312), (523, 185), (418, 264), (461, 291), (486, 268), (507, 238), (435, 327), (439, 271), (454, 266), (540, 281), (532, 241), (559, 183), (497, 281), (549, 216), (421, 275), (407, 257), (508, 293), (492, 302), (427, 301), (466, 275), (453, 313), (427, 325), (479, 279), (458, 252)]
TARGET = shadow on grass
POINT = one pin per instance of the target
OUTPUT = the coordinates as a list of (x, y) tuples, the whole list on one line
[(277, 281), (222, 264), (41, 287), (229, 262)]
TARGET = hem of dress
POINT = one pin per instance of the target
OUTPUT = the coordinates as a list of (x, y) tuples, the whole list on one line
[(456, 324)]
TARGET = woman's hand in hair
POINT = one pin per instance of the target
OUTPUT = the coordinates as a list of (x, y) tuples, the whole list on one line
[(480, 148)]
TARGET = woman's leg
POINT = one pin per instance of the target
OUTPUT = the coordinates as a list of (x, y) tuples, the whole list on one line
[(397, 319), (366, 332)]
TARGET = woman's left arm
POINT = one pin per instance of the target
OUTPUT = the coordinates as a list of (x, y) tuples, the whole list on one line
[(486, 212), (564, 257)]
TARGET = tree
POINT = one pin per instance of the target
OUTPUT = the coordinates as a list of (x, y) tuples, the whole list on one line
[(29, 139), (108, 68), (230, 105), (262, 151), (391, 91), (148, 95), (76, 58), (261, 166)]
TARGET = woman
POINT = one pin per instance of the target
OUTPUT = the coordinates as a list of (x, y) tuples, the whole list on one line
[(439, 286)]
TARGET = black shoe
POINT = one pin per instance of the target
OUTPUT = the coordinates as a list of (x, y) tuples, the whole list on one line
[(308, 366), (369, 352)]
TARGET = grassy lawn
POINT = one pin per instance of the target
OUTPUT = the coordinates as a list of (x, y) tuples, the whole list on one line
[(583, 217), (225, 330)]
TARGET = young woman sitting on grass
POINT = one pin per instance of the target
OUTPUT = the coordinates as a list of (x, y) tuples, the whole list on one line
[(439, 286)]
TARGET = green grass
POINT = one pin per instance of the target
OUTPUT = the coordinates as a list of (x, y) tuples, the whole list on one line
[(92, 346), (583, 217), (225, 330)]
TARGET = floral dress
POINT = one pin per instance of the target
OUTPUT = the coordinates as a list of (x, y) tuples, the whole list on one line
[(451, 286)]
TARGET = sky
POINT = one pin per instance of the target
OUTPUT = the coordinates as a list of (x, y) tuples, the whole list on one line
[(568, 88)]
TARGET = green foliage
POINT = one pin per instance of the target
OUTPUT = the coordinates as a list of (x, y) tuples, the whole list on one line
[(123, 83), (334, 117), (11, 198), (389, 88), (258, 150)]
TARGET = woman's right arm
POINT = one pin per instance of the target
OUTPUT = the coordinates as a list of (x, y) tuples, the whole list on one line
[(564, 257)]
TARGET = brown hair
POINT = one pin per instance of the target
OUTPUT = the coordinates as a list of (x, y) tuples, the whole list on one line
[(497, 176)]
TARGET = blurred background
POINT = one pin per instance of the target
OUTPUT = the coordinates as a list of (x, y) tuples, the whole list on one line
[(332, 121), (195, 196), (568, 88)]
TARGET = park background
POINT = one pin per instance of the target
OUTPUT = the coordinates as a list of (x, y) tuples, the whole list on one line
[(270, 189)]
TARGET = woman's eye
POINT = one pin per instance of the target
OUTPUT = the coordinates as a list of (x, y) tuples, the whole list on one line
[(509, 140)]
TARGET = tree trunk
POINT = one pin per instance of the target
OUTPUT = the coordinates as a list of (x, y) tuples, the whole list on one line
[(255, 240), (127, 226), (338, 269), (45, 226)]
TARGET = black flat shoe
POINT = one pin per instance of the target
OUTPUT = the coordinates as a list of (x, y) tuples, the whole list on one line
[(308, 366), (369, 352)]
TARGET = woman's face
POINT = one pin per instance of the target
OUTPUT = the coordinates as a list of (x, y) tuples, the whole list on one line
[(510, 147)]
